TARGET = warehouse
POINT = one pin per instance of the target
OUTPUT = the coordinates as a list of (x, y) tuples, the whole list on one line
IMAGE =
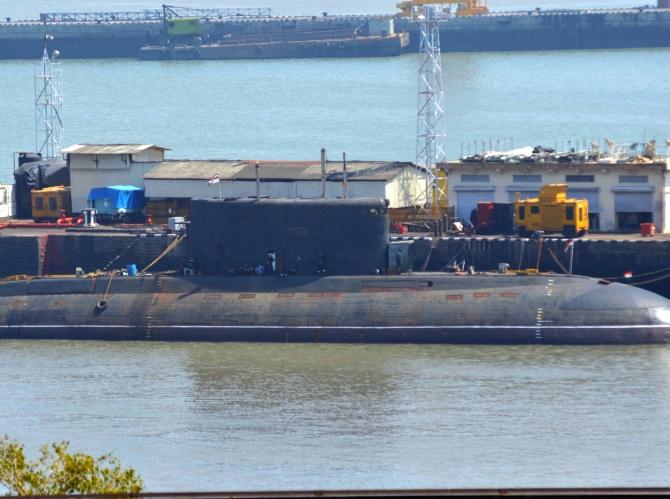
[(171, 184), (100, 165), (621, 195)]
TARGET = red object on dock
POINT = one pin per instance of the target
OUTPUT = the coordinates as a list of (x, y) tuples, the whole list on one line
[(647, 230)]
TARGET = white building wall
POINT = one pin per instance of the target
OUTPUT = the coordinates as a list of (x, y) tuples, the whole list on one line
[(7, 201), (109, 169), (244, 188), (501, 186), (403, 190), (407, 189)]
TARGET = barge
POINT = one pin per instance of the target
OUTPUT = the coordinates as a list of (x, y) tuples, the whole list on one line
[(89, 36)]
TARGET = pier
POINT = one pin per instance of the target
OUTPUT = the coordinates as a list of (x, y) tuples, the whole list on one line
[(87, 35)]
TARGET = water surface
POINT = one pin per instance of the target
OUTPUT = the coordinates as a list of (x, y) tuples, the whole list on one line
[(254, 416)]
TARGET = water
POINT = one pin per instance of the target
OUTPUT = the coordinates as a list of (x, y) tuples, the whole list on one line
[(289, 109), (251, 416)]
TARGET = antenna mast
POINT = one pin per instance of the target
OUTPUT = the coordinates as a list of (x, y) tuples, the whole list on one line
[(431, 128), (49, 104)]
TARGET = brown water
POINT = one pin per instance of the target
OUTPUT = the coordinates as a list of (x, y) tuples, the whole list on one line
[(250, 416)]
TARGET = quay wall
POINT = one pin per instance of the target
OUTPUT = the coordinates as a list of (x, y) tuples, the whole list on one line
[(647, 259), (57, 254), (20, 255), (527, 30)]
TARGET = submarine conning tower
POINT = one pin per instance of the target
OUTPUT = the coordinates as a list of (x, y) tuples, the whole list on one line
[(339, 236)]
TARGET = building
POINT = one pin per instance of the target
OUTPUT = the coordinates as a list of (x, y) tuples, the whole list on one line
[(171, 184), (100, 165), (620, 195)]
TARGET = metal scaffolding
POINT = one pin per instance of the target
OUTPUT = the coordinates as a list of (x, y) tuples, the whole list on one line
[(172, 11), (49, 104)]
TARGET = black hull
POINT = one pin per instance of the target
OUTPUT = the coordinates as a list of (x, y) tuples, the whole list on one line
[(421, 308)]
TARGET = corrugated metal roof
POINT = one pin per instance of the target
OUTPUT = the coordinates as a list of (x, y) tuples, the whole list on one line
[(274, 170), (110, 148)]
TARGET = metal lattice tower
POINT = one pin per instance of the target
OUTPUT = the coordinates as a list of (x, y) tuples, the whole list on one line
[(431, 134), (49, 104)]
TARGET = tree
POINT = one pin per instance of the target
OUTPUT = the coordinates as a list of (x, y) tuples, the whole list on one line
[(59, 472)]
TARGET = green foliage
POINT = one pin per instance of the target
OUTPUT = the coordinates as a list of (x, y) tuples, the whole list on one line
[(58, 472)]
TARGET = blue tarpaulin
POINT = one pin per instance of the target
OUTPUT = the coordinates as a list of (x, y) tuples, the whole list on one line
[(113, 198)]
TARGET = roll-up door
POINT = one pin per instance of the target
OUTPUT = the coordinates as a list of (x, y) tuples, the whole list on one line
[(466, 201), (591, 195), (633, 202)]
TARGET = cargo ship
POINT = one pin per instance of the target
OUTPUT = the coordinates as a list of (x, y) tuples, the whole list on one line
[(323, 270)]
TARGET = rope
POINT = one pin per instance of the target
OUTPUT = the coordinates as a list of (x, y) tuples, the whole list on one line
[(560, 265), (169, 248), (109, 264), (425, 264), (651, 281), (109, 285), (638, 275), (465, 245)]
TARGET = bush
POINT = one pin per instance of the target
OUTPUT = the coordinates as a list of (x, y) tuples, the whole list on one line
[(59, 472)]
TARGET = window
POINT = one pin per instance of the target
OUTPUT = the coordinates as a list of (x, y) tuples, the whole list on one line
[(581, 214), (569, 212), (53, 204), (529, 179), (39, 203), (534, 210), (633, 179), (522, 212), (580, 178), (475, 178)]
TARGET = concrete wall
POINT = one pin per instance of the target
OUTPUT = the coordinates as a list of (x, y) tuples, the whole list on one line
[(647, 259), (61, 253), (88, 171), (501, 185), (7, 201), (64, 252), (20, 255)]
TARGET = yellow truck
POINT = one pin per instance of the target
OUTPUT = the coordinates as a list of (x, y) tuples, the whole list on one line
[(552, 211)]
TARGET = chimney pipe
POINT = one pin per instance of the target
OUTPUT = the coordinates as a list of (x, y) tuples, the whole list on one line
[(323, 172), (345, 183), (258, 180)]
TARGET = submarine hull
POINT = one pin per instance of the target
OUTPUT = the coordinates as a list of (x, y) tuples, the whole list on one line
[(417, 308)]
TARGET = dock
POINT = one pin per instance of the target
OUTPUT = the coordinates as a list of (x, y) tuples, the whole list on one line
[(124, 35)]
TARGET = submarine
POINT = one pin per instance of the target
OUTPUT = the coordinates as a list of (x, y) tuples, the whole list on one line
[(326, 287)]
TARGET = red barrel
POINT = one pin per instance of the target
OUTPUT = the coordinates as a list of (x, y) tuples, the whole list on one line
[(647, 229)]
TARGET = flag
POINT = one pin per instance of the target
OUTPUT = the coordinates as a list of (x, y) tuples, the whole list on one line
[(214, 180), (628, 275), (568, 244)]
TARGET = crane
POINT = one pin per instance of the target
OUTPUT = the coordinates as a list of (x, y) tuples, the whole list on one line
[(465, 7)]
